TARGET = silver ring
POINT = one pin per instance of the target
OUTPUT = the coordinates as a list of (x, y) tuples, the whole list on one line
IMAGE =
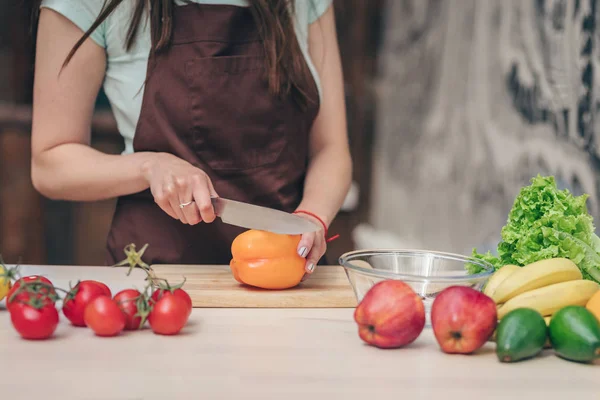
[(186, 204)]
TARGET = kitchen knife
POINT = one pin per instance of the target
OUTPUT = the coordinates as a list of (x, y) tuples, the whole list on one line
[(261, 218)]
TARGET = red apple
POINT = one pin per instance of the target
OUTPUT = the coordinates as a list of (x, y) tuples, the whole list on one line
[(463, 319), (391, 315)]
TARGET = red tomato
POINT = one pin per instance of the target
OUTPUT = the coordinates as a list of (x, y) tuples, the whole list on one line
[(104, 317), (24, 296), (31, 279), (78, 298), (34, 323), (103, 286), (169, 314), (178, 293), (127, 301)]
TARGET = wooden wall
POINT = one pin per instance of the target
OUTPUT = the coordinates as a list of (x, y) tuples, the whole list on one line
[(36, 230)]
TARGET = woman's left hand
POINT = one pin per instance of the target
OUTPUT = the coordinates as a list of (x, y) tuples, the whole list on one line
[(312, 246)]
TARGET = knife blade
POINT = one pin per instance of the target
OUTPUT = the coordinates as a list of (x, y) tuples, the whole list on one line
[(261, 218)]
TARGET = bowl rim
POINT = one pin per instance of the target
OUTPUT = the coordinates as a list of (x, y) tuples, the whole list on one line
[(345, 259)]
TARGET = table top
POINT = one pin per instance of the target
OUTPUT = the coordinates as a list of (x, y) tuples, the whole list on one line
[(272, 353)]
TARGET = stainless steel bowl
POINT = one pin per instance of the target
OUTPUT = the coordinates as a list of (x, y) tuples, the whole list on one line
[(426, 272)]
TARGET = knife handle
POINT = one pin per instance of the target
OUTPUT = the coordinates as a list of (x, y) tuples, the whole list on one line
[(217, 205)]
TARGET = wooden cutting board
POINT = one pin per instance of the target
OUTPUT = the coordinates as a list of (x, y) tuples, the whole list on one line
[(214, 286)]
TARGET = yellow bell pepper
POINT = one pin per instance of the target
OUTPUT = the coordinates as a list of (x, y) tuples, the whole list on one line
[(5, 282), (267, 260)]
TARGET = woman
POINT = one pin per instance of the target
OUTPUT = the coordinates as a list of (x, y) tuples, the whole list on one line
[(240, 98)]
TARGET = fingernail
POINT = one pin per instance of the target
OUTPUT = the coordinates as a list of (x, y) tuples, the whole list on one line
[(302, 251), (311, 267)]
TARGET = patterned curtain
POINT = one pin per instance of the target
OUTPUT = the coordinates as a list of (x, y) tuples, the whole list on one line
[(474, 98)]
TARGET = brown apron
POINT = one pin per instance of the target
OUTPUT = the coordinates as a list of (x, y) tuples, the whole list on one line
[(206, 100)]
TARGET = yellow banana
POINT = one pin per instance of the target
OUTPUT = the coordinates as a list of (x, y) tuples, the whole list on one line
[(547, 319), (497, 278), (549, 299), (536, 275)]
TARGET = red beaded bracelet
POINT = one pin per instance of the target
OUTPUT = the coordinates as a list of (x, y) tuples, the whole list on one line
[(321, 221)]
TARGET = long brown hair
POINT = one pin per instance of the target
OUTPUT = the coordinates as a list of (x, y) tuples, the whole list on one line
[(287, 71)]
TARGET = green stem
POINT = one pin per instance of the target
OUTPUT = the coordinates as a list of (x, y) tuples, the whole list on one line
[(33, 287), (9, 273), (134, 259)]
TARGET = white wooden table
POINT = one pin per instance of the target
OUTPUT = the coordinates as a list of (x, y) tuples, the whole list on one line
[(267, 354)]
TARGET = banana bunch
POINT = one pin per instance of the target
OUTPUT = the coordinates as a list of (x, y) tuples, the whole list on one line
[(545, 286)]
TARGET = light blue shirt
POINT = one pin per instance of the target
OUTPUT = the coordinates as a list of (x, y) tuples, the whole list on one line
[(126, 70)]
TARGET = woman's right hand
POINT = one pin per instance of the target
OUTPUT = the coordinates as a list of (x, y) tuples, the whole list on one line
[(174, 181)]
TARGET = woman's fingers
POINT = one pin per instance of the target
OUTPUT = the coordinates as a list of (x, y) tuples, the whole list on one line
[(312, 246), (191, 214), (304, 248), (312, 259), (202, 191), (190, 211), (306, 243), (185, 195), (172, 194), (163, 201), (316, 245)]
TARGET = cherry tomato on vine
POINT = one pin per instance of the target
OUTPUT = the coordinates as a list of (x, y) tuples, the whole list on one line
[(169, 314), (104, 317), (105, 288), (158, 294), (34, 322), (128, 300), (26, 297), (78, 298), (29, 287), (29, 280)]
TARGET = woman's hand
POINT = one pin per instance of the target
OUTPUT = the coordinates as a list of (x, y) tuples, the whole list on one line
[(312, 246), (174, 182)]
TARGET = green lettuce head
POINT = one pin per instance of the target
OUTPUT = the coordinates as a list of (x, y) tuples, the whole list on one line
[(543, 223)]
